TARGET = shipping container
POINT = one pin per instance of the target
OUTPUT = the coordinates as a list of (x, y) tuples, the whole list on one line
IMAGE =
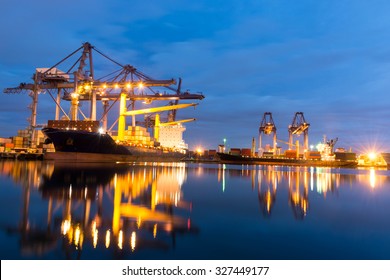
[(345, 156), (313, 155), (235, 151), (246, 152), (290, 154), (5, 140), (268, 154), (9, 145)]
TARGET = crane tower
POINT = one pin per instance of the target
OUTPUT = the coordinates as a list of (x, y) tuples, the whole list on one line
[(267, 126), (297, 127)]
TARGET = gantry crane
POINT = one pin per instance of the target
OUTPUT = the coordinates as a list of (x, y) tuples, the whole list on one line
[(79, 83), (299, 126), (267, 126)]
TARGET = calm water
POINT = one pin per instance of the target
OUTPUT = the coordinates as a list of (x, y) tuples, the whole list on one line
[(192, 211)]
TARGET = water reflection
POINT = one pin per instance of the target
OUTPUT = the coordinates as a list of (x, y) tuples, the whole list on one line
[(299, 182), (122, 207), (79, 211), (267, 186)]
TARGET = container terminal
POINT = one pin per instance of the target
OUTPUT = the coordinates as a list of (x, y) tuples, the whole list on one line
[(74, 136)]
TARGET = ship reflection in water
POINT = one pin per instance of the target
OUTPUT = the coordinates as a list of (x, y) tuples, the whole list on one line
[(145, 211), (299, 181), (140, 201)]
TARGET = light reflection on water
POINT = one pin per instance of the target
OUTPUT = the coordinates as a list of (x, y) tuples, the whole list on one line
[(192, 211)]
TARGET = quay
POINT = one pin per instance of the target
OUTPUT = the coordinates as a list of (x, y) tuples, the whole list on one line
[(21, 156)]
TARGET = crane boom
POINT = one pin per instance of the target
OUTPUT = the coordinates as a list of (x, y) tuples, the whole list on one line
[(285, 142), (158, 109), (176, 122)]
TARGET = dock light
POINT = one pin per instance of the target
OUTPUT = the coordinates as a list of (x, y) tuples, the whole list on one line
[(199, 151), (372, 156), (74, 95), (101, 130), (116, 86), (128, 85), (87, 87), (140, 85)]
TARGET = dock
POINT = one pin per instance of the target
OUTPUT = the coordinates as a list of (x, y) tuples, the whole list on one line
[(21, 156)]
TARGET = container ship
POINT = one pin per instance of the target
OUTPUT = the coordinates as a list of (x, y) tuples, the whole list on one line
[(81, 141), (285, 160), (324, 156)]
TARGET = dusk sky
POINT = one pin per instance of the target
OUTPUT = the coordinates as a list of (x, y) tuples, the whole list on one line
[(328, 59)]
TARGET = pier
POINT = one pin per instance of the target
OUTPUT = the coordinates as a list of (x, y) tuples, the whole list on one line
[(21, 156)]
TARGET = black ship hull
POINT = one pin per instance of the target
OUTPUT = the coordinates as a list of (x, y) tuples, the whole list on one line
[(85, 146), (238, 159)]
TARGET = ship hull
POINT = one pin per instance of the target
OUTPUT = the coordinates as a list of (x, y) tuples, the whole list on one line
[(84, 146), (238, 159)]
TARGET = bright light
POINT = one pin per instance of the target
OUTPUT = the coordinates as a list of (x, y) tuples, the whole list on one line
[(120, 240), (108, 237), (77, 238), (372, 156), (101, 130), (128, 85), (199, 151), (140, 85), (65, 227), (372, 178), (74, 95), (95, 238), (133, 240)]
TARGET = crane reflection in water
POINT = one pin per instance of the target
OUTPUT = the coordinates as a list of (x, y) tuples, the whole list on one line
[(141, 203), (299, 182), (123, 211)]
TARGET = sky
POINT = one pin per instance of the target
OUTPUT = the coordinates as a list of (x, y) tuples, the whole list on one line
[(328, 59)]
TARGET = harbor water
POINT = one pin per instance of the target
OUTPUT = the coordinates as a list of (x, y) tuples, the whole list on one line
[(185, 211)]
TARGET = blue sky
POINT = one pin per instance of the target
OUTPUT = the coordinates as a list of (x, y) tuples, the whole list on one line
[(328, 59)]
